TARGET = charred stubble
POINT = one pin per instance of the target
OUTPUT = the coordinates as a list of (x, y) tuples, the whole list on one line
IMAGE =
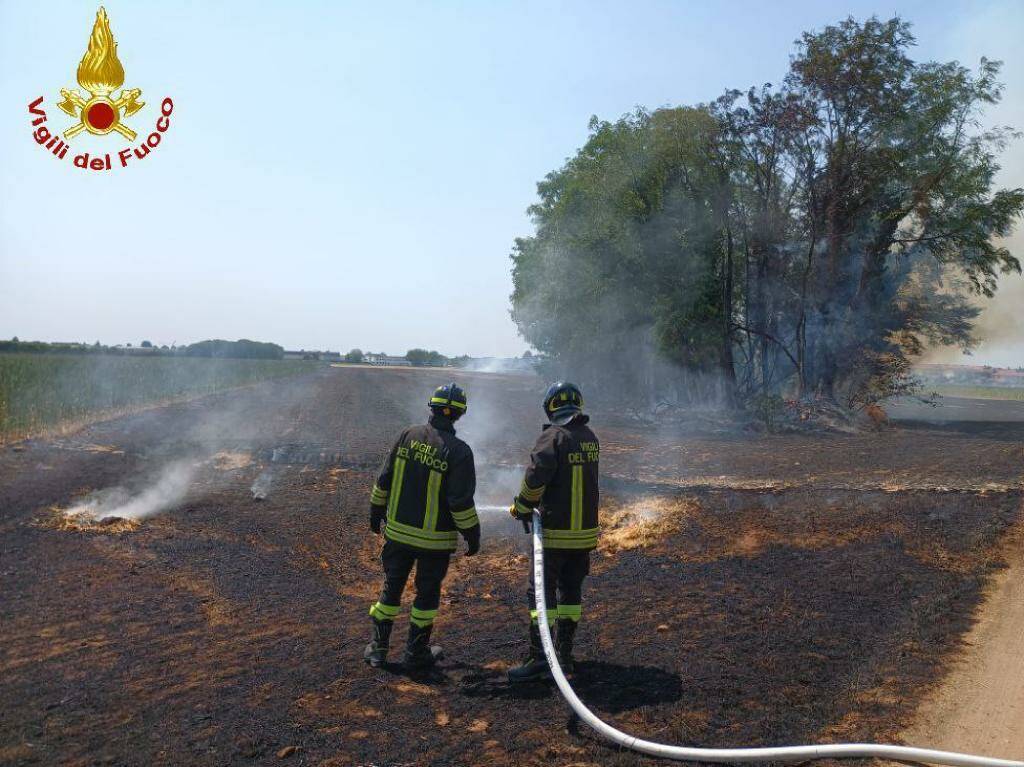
[(226, 629)]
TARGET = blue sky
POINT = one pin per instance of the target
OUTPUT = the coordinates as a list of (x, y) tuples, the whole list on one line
[(342, 174)]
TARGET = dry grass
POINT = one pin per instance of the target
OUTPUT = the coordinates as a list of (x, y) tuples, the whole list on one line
[(57, 518), (231, 461), (644, 523)]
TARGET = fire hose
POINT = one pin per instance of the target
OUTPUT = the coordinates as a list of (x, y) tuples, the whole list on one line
[(746, 754)]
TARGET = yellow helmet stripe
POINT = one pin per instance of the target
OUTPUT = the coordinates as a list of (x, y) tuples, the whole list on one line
[(447, 403)]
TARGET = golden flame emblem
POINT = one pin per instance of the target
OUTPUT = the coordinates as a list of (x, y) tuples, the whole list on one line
[(100, 73)]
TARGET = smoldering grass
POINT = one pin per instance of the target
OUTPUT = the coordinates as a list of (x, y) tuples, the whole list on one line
[(169, 489)]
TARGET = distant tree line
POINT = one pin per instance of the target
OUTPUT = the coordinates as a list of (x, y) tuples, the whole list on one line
[(808, 239), (215, 348)]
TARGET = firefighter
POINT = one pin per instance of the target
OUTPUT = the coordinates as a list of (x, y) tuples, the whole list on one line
[(561, 482), (423, 499)]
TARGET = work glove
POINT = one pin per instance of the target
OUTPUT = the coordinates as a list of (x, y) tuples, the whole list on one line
[(520, 512), (472, 536), (525, 516), (377, 516)]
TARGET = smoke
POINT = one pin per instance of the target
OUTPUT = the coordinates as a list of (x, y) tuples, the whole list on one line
[(497, 486), (201, 445), (611, 327), (261, 485), (999, 328), (168, 489), (1000, 321), (499, 365)]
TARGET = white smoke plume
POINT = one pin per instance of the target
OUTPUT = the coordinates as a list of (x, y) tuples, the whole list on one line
[(169, 489)]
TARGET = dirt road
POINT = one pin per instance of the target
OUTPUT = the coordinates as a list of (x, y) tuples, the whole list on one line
[(979, 707)]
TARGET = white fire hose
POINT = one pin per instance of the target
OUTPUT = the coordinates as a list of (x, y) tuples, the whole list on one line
[(684, 753)]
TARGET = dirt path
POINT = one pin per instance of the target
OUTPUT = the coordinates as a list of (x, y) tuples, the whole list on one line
[(979, 708)]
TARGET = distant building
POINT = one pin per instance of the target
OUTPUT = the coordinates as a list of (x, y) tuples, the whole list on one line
[(384, 360), (141, 350)]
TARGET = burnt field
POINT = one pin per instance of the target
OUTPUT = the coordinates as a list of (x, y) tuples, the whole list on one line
[(750, 590)]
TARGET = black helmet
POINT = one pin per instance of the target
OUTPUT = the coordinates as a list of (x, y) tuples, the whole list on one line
[(449, 400), (563, 402)]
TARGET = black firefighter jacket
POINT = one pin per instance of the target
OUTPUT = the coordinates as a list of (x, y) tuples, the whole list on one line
[(427, 484), (562, 482)]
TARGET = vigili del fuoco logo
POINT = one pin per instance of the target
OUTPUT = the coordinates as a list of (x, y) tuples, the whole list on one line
[(100, 74)]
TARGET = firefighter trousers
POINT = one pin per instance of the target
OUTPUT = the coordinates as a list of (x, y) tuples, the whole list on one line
[(564, 571), (398, 561)]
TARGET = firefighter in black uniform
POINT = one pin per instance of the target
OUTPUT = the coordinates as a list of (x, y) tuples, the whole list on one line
[(423, 499), (562, 482)]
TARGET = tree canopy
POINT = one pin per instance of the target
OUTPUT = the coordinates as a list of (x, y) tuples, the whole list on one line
[(422, 357), (808, 238), (240, 349)]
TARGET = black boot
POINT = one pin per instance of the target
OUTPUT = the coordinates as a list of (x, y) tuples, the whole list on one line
[(377, 651), (535, 667), (419, 653), (566, 633)]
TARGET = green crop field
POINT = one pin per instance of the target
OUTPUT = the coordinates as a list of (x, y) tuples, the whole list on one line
[(38, 391), (980, 392)]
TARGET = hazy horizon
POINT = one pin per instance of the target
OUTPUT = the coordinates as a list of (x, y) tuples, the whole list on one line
[(362, 186)]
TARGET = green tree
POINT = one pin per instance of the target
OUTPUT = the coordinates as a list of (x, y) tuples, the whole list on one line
[(627, 259), (895, 195), (356, 355), (813, 237), (422, 357), (240, 349)]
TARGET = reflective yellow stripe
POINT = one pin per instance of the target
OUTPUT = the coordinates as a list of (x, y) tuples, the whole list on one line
[(576, 522), (570, 534), (420, 543), (422, 618), (378, 497), (396, 487), (433, 493), (551, 617), (572, 612), (420, 538), (466, 519), (419, 532), (530, 493), (567, 545), (383, 612), (570, 539), (446, 402)]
